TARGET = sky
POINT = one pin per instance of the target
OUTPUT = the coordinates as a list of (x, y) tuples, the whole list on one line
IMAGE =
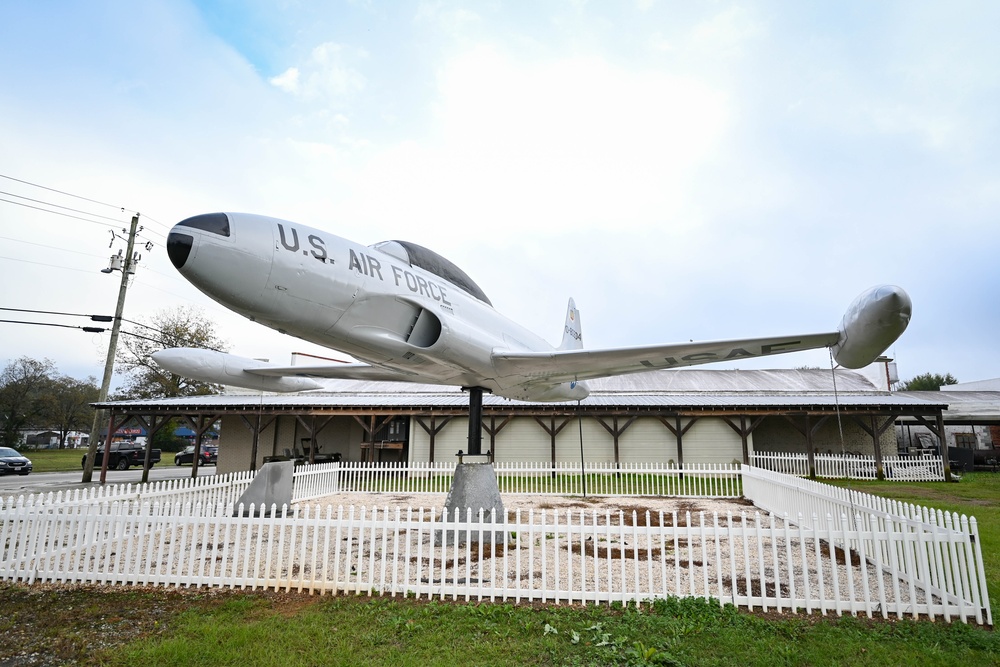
[(685, 171)]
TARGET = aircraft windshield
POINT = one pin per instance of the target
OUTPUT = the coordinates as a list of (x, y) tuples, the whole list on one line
[(217, 223), (428, 260)]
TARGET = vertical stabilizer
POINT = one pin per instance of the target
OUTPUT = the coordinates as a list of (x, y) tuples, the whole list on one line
[(572, 338)]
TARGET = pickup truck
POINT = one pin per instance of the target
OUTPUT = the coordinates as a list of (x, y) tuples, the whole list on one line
[(123, 455)]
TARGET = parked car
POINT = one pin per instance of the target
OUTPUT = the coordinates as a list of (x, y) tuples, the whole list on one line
[(209, 455), (11, 462), (123, 455)]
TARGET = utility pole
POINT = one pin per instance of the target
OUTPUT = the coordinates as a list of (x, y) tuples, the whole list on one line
[(127, 269)]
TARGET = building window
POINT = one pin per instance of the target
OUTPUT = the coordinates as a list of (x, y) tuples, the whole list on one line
[(965, 440)]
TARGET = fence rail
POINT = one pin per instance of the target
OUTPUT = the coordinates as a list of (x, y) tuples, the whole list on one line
[(842, 551), (602, 479), (573, 556), (206, 492), (937, 552), (897, 468)]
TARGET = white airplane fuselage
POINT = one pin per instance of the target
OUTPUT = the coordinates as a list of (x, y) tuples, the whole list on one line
[(410, 315), (357, 299)]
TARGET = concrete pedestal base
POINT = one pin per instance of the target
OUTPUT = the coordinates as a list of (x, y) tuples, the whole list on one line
[(475, 486), (272, 485)]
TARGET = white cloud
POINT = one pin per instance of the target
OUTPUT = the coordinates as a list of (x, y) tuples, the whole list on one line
[(568, 144), (327, 75), (287, 81)]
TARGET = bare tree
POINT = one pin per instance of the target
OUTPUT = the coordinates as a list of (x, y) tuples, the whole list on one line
[(177, 327), (65, 405), (21, 385)]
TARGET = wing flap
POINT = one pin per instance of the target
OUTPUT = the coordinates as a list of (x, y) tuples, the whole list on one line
[(570, 365), (339, 372)]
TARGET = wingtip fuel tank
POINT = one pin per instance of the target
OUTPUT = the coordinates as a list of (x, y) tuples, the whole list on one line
[(872, 323), (223, 368)]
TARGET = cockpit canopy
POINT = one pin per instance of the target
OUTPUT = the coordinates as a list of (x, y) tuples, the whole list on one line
[(428, 260)]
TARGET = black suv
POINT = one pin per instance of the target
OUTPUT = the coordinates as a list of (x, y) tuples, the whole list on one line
[(123, 455)]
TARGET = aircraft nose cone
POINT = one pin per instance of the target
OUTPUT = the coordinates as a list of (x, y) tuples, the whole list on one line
[(897, 300), (179, 247)]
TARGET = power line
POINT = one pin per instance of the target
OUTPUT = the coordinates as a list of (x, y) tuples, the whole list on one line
[(55, 266), (65, 215), (52, 247), (68, 194), (103, 318), (183, 339), (102, 330), (66, 208), (51, 324)]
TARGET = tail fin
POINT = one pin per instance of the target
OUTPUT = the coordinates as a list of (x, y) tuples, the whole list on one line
[(572, 339)]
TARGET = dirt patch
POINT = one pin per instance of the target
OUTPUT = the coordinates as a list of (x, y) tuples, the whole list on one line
[(741, 586), (589, 548)]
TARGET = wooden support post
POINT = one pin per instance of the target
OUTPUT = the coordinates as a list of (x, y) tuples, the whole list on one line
[(432, 430), (810, 448), (678, 432), (493, 430), (615, 433), (199, 427), (152, 427), (943, 446), (744, 432), (107, 446), (553, 431), (256, 427)]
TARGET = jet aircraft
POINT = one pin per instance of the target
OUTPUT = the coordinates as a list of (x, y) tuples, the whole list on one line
[(408, 314)]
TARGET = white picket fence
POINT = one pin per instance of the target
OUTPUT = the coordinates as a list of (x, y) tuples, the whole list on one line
[(822, 548), (206, 492), (938, 553), (601, 479), (896, 468), (572, 556)]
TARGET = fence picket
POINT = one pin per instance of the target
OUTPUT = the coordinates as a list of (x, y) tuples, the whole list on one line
[(913, 560)]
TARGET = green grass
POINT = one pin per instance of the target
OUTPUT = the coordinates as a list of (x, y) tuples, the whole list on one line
[(121, 626), (116, 626), (54, 460), (562, 484)]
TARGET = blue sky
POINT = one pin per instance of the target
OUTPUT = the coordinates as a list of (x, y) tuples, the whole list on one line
[(684, 170)]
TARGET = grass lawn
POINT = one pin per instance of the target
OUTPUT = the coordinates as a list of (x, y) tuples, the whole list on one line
[(44, 625), (54, 460)]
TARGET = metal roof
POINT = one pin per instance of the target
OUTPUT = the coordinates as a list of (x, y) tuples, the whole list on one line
[(964, 405), (700, 389)]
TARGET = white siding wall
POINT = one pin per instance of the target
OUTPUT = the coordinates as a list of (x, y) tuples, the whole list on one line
[(597, 442), (235, 445), (712, 441), (647, 440), (453, 437)]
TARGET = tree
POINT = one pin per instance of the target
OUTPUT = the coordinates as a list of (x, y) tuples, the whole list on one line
[(165, 440), (65, 405), (21, 385), (928, 382), (177, 327)]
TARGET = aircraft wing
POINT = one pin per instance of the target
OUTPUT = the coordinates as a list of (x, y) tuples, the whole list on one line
[(338, 372), (584, 364), (230, 369)]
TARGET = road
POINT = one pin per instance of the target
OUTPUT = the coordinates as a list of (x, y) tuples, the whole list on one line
[(43, 482)]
